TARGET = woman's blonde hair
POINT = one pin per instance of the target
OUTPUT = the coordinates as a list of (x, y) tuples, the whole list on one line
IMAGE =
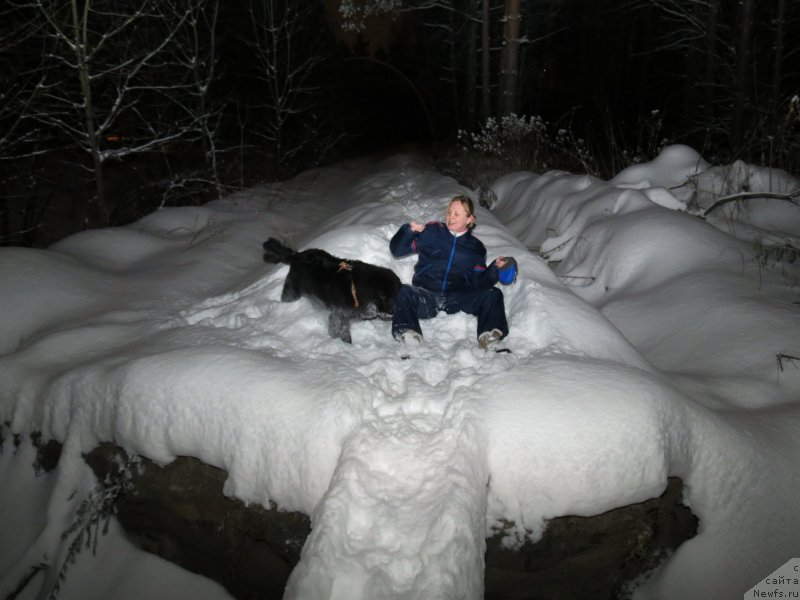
[(469, 207)]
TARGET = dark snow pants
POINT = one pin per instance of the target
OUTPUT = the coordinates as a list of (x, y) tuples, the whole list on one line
[(415, 303)]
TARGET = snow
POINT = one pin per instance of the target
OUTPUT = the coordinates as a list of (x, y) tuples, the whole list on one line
[(654, 343)]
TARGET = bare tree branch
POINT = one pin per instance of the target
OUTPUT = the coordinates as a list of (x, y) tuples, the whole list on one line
[(790, 197)]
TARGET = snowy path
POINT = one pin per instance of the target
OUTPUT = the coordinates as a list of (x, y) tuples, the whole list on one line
[(404, 515)]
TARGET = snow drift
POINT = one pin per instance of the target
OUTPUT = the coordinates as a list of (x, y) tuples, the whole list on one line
[(647, 348)]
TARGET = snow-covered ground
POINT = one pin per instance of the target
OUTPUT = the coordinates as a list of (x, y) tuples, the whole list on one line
[(654, 344)]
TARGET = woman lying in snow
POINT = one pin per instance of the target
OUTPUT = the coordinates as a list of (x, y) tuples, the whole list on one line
[(450, 275)]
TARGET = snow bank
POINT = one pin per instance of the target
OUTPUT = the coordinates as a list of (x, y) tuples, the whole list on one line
[(648, 351), (719, 326)]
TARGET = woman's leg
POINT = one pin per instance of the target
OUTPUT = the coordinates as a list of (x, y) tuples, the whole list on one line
[(411, 305), (487, 305)]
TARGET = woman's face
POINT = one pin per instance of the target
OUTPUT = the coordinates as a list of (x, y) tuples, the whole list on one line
[(457, 218)]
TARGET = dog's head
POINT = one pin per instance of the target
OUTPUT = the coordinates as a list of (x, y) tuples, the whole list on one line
[(377, 289)]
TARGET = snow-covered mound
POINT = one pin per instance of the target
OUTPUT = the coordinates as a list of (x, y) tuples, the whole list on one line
[(703, 308), (631, 362)]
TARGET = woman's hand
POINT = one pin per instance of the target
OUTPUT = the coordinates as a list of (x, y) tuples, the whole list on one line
[(417, 227)]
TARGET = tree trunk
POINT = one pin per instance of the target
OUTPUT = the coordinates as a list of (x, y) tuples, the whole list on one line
[(777, 65), (693, 66), (742, 71), (456, 98), (203, 40), (510, 59), (711, 63), (471, 79), (97, 213), (486, 108)]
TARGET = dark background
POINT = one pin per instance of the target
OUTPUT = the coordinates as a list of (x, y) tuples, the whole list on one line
[(144, 104)]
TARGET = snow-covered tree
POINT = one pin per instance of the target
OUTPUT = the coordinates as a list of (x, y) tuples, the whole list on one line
[(21, 73), (117, 79), (196, 53)]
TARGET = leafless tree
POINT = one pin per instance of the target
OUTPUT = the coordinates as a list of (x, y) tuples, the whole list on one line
[(741, 96), (744, 53), (285, 49), (196, 56), (777, 63), (21, 140), (107, 54), (116, 80)]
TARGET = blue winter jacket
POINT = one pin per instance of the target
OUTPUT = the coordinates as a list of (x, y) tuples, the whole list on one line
[(448, 262)]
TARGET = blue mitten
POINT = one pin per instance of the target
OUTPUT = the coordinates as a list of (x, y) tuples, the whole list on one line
[(508, 273)]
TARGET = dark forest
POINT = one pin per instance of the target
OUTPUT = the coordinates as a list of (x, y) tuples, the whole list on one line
[(110, 110)]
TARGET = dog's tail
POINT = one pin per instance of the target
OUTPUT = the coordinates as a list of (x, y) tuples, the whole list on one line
[(277, 252)]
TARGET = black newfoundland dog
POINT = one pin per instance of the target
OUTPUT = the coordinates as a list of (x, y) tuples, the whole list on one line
[(350, 288)]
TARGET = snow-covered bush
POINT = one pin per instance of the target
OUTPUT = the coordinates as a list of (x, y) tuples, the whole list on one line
[(508, 136), (783, 149), (354, 13), (515, 143), (92, 518)]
